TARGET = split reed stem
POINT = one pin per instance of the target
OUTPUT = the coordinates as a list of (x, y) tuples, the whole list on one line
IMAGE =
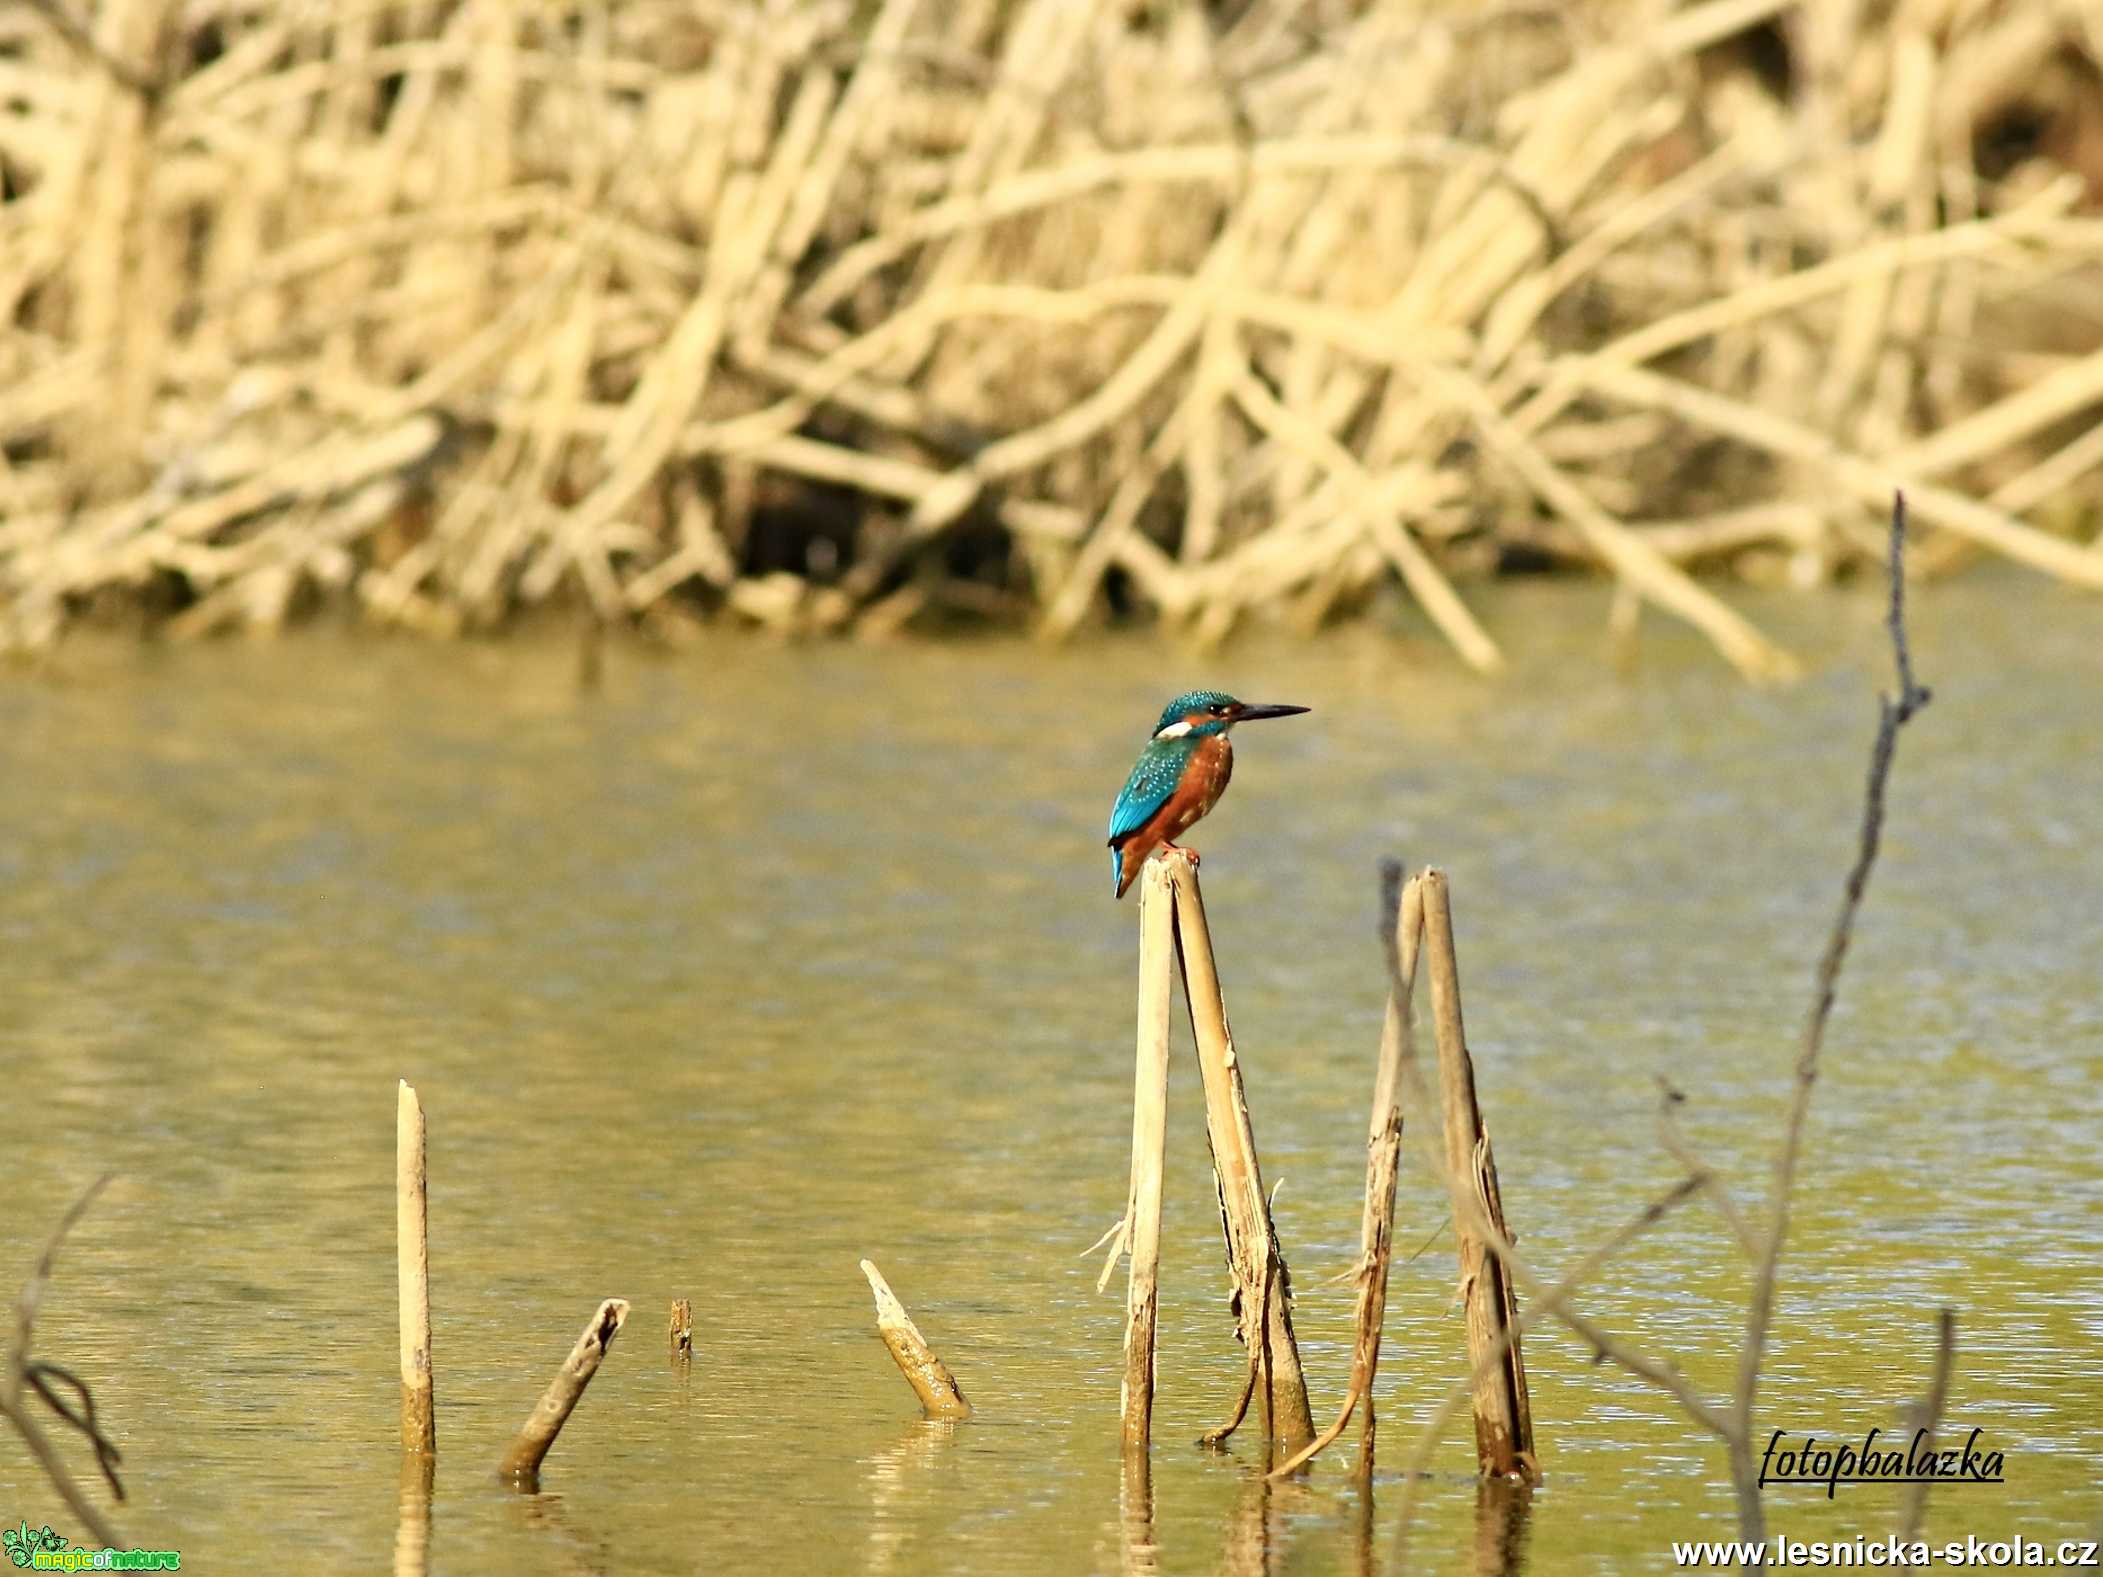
[(1402, 908)]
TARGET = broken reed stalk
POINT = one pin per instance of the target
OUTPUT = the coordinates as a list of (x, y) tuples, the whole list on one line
[(1157, 947), (1262, 1284), (1504, 1441), (940, 1395), (412, 1259), (679, 1330), (522, 1461), (1402, 926)]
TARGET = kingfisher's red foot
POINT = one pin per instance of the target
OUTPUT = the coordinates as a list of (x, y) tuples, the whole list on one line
[(1179, 849)]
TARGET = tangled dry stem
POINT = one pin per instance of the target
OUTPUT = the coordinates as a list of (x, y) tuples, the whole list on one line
[(23, 1376), (834, 316)]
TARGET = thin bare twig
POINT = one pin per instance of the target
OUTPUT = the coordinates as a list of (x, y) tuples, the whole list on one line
[(23, 1372), (39, 1376), (40, 1277), (1892, 715), (1675, 1142)]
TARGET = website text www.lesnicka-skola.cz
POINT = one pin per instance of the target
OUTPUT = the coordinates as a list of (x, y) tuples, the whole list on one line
[(1886, 1553)]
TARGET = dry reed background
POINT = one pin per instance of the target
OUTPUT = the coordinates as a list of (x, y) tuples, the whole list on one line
[(836, 316)]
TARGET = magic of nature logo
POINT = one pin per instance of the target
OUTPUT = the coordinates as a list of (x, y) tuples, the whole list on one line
[(1919, 1461), (46, 1551)]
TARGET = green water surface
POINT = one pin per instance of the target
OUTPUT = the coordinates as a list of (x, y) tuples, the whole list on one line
[(761, 959)]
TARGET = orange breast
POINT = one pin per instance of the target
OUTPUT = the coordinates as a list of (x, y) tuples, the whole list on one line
[(1211, 765)]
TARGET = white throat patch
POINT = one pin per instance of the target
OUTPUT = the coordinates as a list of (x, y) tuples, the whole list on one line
[(1175, 730)]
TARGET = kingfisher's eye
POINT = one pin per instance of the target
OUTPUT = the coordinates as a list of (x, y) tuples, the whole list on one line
[(1219, 709)]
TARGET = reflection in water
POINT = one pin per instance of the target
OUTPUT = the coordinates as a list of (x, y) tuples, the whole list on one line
[(894, 1484), (682, 1362), (1256, 1522), (1502, 1506), (1135, 1523), (1249, 1549), (412, 1534), (1362, 1494), (1499, 1540), (584, 1553)]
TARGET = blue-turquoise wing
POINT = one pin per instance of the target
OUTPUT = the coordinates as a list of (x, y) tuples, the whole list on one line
[(1153, 779)]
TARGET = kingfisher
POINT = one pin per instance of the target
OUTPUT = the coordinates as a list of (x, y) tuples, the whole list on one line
[(1179, 777)]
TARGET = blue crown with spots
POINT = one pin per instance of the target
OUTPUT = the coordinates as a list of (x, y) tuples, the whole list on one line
[(1191, 701)]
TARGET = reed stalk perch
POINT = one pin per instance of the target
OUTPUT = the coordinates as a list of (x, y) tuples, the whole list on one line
[(412, 1259), (1262, 1299), (1157, 942), (521, 1464), (940, 1395)]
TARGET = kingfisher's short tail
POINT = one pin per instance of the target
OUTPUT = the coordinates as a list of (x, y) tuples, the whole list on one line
[(1127, 860)]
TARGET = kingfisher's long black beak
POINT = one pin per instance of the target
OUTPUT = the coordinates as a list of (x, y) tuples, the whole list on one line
[(1251, 714)]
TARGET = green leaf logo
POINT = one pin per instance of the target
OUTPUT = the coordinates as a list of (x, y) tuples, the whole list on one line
[(21, 1544)]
